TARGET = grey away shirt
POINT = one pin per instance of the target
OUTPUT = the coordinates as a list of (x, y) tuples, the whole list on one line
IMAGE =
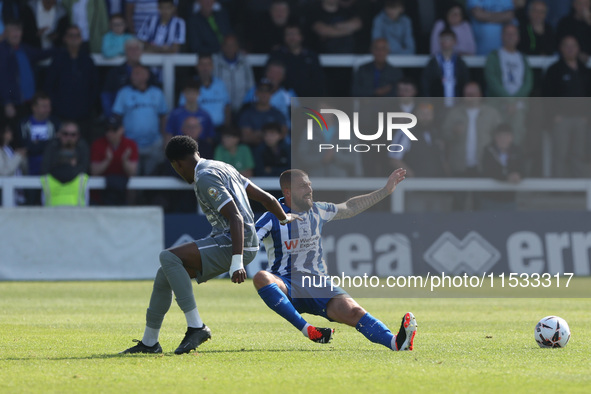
[(216, 184)]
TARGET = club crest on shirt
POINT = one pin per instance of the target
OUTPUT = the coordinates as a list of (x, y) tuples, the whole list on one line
[(214, 193)]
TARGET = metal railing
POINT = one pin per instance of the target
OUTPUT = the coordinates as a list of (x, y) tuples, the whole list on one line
[(168, 63), (10, 184)]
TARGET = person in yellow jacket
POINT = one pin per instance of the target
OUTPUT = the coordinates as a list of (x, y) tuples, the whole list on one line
[(72, 193)]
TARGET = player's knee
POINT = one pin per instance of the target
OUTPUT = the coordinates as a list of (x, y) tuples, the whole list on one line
[(167, 257), (262, 279), (164, 256), (355, 314)]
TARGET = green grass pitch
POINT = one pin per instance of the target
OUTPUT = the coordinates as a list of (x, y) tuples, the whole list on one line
[(64, 337)]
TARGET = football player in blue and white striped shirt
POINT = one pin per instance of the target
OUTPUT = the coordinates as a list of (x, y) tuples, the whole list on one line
[(163, 32), (295, 251)]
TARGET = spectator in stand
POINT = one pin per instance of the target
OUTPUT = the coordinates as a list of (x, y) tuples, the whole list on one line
[(273, 156), (213, 97), (137, 11), (377, 78), (115, 157), (269, 30), (120, 76), (423, 158), (114, 41), (143, 108), (446, 73), (258, 114), (191, 108), (92, 19), (303, 72), (64, 169), (507, 70), (163, 32), (67, 147), (578, 25), (395, 27), (568, 77), (488, 17), (407, 92), (456, 20), (232, 67), (192, 127), (12, 162), (17, 76), (333, 27), (280, 97), (537, 35), (17, 11), (508, 74), (51, 20), (206, 28), (467, 129), (37, 131), (231, 151), (501, 160), (72, 83)]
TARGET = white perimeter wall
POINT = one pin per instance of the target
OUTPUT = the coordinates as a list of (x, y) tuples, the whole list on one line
[(86, 243)]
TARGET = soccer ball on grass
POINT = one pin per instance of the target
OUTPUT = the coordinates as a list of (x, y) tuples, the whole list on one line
[(551, 332)]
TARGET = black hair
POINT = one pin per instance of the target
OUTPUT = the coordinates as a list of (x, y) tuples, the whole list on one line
[(452, 5), (181, 146), (204, 55), (39, 96), (167, 1), (275, 62), (503, 128), (272, 126), (393, 3), (229, 131), (192, 84), (406, 80), (14, 22), (448, 32)]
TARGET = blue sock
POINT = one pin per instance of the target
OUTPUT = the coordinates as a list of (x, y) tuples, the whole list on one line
[(278, 301), (375, 331)]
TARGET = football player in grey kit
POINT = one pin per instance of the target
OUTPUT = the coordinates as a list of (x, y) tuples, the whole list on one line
[(223, 196)]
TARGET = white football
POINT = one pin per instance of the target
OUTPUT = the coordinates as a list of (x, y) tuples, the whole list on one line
[(552, 331)]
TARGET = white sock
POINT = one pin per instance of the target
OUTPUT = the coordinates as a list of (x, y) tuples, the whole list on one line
[(193, 319), (150, 336), (393, 343), (305, 330)]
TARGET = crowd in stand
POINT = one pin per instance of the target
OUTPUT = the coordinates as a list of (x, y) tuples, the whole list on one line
[(70, 118)]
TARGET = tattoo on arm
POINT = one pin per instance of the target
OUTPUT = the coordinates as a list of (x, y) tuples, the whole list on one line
[(358, 204)]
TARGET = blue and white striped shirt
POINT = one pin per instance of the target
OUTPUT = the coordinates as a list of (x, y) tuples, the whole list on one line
[(154, 32), (296, 246)]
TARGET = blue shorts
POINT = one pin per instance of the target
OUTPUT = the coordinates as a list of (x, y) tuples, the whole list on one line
[(309, 299)]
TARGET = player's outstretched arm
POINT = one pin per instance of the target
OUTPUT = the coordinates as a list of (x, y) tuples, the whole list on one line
[(358, 204), (269, 202)]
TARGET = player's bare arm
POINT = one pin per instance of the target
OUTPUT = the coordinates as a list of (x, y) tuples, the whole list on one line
[(230, 212), (358, 204), (270, 203)]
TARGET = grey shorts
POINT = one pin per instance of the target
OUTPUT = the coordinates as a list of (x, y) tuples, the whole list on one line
[(216, 256)]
